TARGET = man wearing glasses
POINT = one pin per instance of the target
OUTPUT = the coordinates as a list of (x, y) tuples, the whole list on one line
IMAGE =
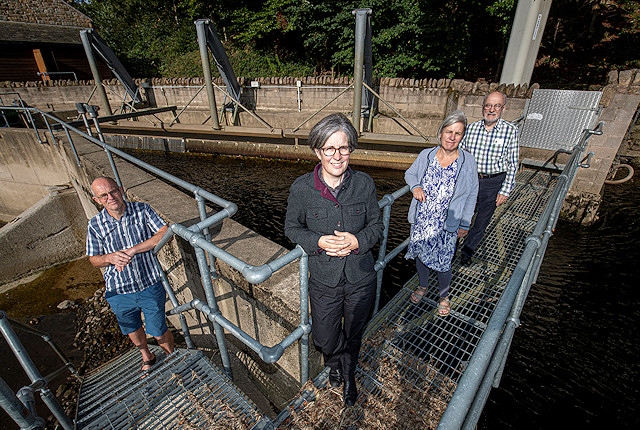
[(494, 144), (120, 239)]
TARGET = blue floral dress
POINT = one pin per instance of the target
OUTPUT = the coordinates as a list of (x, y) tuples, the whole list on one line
[(429, 241)]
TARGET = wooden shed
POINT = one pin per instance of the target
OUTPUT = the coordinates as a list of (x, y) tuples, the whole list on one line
[(40, 41)]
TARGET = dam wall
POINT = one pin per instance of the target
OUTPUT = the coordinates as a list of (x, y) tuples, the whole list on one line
[(268, 311), (282, 102)]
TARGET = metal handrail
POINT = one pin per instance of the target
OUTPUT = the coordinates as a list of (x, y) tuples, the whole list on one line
[(25, 395), (198, 236)]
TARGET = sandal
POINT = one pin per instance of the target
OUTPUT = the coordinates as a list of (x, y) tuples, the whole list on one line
[(148, 363), (444, 307), (417, 295)]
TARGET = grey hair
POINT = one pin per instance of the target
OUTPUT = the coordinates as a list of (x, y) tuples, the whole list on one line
[(452, 118), (504, 97), (329, 125)]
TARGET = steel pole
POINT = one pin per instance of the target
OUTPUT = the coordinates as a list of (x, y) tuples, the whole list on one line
[(206, 70), (358, 67), (84, 35)]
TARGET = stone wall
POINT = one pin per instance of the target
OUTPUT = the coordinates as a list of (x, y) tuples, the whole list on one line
[(282, 103), (51, 12)]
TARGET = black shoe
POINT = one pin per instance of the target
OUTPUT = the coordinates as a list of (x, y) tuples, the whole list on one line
[(335, 378), (350, 393), (465, 260)]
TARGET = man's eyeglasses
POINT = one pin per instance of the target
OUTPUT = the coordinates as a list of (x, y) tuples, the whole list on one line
[(105, 197), (497, 106), (330, 151)]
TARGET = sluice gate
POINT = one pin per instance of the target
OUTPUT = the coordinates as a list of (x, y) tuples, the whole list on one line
[(409, 354)]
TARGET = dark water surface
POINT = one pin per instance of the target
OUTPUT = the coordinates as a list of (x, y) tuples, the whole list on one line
[(575, 358)]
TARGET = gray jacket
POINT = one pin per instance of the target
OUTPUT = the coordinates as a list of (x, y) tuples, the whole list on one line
[(463, 201), (312, 212)]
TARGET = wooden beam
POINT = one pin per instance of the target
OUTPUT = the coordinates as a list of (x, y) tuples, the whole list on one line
[(42, 67)]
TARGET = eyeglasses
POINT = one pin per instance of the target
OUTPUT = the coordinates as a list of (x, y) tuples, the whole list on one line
[(330, 151), (497, 106), (105, 197)]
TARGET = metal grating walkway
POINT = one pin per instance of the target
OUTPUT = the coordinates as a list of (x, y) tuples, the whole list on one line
[(411, 358), (183, 390)]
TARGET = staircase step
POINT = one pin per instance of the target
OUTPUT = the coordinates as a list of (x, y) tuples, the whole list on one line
[(182, 390)]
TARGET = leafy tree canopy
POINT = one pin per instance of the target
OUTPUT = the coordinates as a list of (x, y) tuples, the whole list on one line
[(466, 39)]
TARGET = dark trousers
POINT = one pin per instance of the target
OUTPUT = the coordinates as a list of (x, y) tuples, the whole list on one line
[(488, 189), (444, 278), (339, 315)]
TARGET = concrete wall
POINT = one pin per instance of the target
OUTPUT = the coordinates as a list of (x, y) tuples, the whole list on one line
[(27, 170), (50, 232), (268, 311)]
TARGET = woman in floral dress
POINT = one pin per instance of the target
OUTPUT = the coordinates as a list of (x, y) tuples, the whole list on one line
[(444, 183)]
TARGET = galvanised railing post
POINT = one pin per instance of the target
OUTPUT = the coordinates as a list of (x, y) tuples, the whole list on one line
[(304, 315), (46, 121), (93, 114), (385, 204), (213, 305), (202, 208), (32, 122), (386, 217), (73, 147), (82, 111), (19, 412), (32, 372)]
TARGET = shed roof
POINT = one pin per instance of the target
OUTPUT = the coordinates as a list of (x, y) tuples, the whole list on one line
[(28, 33)]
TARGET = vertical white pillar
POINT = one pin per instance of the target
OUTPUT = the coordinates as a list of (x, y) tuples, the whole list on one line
[(524, 41)]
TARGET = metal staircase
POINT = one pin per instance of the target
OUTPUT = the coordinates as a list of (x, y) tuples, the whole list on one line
[(182, 390)]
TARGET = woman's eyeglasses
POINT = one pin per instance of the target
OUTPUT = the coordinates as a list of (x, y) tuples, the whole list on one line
[(330, 151)]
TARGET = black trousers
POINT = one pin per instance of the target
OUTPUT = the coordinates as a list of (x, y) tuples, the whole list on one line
[(488, 189), (339, 315)]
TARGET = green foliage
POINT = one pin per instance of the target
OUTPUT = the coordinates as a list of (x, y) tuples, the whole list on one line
[(587, 39), (503, 10), (411, 38)]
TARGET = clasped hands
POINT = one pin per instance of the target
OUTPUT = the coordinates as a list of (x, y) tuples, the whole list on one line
[(121, 258), (338, 244)]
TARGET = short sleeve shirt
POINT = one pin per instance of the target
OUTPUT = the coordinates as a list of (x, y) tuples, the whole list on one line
[(106, 234)]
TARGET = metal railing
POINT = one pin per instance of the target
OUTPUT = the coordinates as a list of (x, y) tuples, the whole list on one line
[(21, 406), (485, 366), (198, 236)]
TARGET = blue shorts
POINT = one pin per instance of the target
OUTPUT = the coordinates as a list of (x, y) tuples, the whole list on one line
[(128, 308)]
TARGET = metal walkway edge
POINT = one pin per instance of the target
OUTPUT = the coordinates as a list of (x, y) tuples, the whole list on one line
[(182, 390)]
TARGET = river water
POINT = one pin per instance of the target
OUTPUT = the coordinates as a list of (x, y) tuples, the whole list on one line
[(574, 360)]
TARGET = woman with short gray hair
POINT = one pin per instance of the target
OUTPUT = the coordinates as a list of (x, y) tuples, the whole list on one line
[(333, 214), (444, 184)]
